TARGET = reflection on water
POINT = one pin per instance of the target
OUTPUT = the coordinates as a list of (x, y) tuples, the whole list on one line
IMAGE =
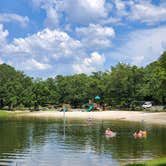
[(43, 143)]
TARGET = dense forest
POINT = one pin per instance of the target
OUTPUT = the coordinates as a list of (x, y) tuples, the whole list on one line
[(123, 86)]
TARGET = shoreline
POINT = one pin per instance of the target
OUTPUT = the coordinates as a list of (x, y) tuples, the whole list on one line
[(132, 116)]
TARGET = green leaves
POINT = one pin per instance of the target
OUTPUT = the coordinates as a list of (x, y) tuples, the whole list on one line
[(119, 87)]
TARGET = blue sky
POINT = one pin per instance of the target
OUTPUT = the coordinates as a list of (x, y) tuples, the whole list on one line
[(45, 38)]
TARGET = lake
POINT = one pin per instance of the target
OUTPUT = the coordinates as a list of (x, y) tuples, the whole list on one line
[(49, 143)]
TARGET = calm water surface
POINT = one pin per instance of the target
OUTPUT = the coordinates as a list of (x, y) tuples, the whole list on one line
[(43, 143)]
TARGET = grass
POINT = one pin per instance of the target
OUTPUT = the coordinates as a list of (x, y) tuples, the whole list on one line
[(156, 162), (4, 113)]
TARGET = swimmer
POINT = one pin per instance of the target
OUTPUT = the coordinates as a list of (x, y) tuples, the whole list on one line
[(140, 134)]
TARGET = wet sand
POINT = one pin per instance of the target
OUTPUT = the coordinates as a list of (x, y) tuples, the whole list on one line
[(135, 116)]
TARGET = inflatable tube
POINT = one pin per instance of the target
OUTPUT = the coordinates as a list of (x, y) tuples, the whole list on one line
[(141, 134), (110, 132), (110, 135)]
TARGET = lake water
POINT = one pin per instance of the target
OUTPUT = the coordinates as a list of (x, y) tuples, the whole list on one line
[(45, 143)]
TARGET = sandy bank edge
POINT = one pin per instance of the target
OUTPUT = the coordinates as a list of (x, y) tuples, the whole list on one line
[(135, 116)]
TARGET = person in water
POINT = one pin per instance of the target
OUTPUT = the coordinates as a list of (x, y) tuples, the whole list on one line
[(140, 134), (108, 131)]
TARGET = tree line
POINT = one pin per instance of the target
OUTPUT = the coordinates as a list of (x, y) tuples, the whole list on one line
[(123, 86)]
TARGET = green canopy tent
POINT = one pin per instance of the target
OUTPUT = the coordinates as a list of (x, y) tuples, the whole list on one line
[(97, 97)]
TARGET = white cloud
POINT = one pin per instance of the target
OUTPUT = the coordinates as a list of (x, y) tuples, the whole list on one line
[(141, 47), (143, 11), (111, 20), (121, 8), (90, 64), (1, 61), (146, 12), (54, 51), (53, 9), (52, 19), (33, 64), (86, 11), (44, 43), (78, 11), (164, 45), (42, 50), (12, 17), (3, 35), (96, 36), (88, 23)]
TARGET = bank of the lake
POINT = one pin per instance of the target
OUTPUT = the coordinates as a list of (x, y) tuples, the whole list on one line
[(4, 114), (7, 114), (135, 116), (156, 162)]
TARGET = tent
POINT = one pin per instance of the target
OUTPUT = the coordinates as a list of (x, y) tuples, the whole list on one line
[(97, 97)]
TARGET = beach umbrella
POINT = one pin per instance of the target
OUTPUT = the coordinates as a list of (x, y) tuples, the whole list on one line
[(97, 97)]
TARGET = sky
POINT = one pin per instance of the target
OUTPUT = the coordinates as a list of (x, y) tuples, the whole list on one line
[(45, 38)]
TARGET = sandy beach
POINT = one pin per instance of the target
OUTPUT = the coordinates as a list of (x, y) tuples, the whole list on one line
[(135, 116)]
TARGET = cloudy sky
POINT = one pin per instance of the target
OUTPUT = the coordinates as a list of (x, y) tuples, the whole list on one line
[(44, 38)]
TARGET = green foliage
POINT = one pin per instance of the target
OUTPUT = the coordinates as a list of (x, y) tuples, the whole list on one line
[(3, 114), (14, 87), (41, 94), (72, 89), (124, 86), (155, 81)]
